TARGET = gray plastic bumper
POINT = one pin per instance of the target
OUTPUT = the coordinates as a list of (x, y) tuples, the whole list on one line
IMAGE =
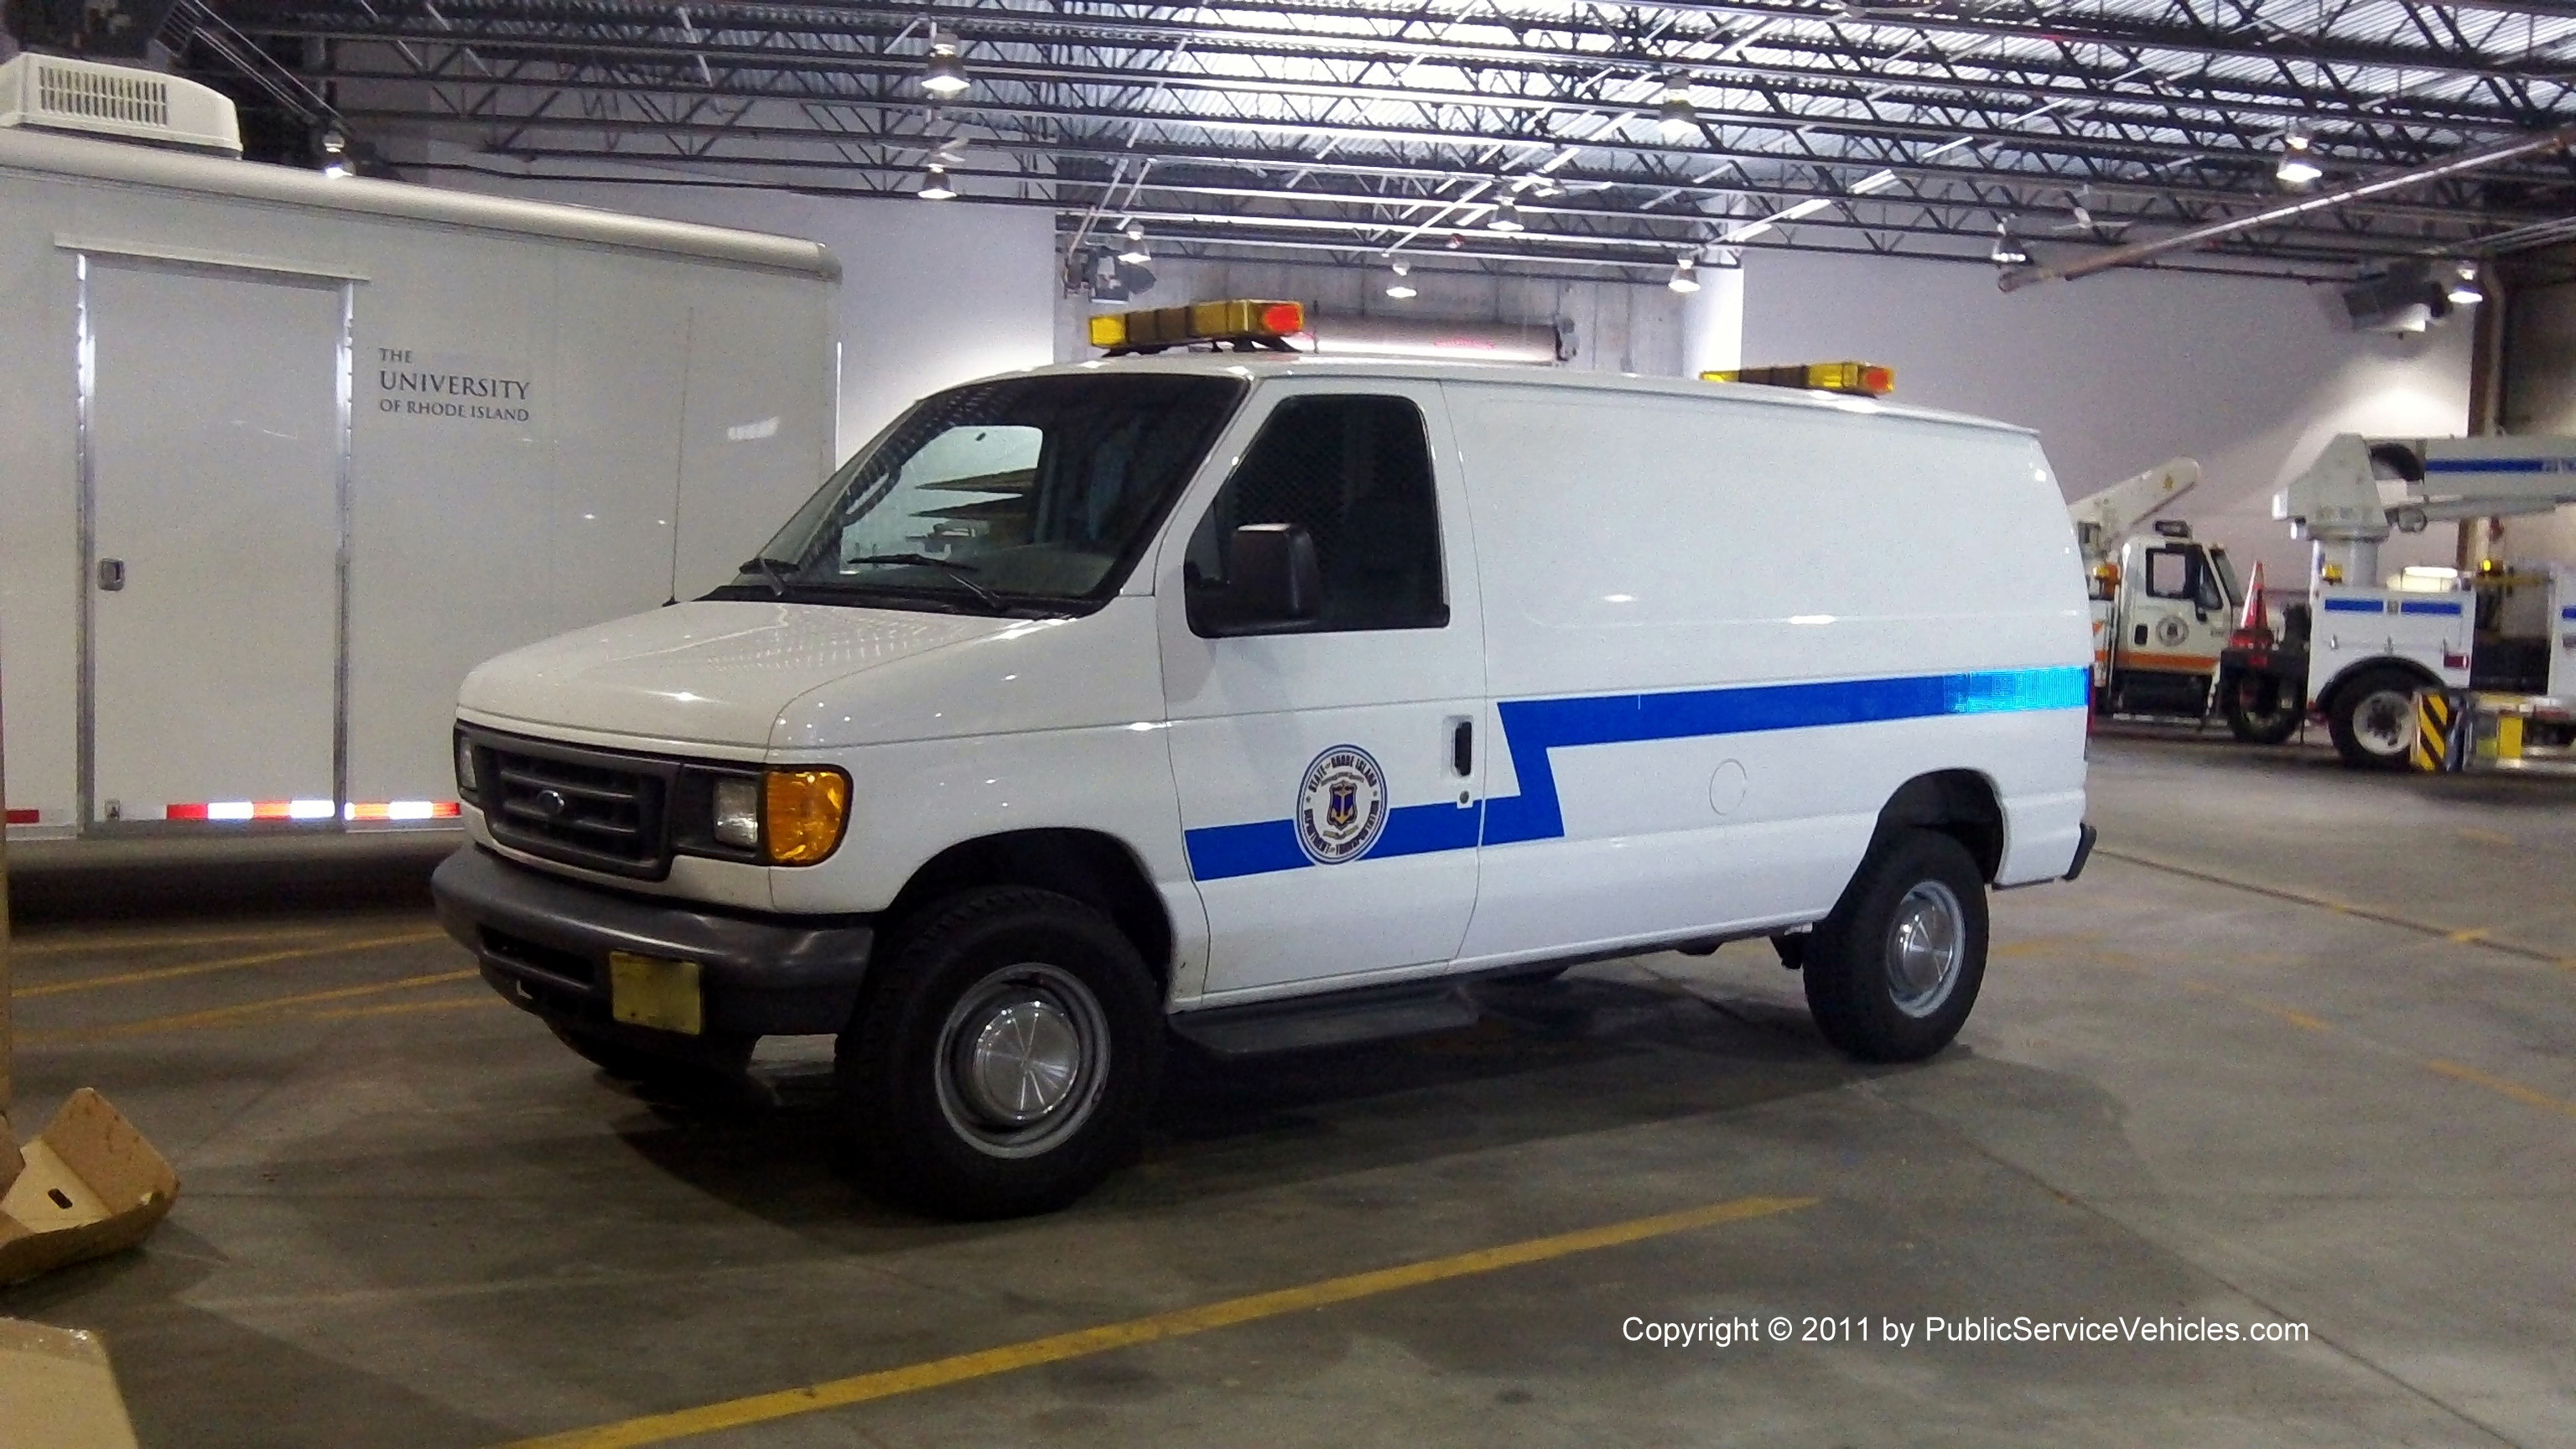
[(544, 943)]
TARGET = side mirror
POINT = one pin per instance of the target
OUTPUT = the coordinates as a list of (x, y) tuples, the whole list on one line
[(1272, 580)]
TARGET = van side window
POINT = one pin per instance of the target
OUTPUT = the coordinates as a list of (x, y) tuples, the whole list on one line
[(1355, 473), (2169, 574)]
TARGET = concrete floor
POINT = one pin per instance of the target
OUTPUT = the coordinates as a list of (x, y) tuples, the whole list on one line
[(411, 1218)]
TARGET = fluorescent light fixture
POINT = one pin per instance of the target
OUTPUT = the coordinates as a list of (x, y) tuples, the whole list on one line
[(1506, 217), (1806, 208), (944, 74), (1399, 288), (2465, 291), (934, 184), (1685, 277), (2298, 165), (1747, 232), (1877, 181)]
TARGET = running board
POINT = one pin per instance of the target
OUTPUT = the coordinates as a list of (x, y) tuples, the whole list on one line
[(1338, 1020)]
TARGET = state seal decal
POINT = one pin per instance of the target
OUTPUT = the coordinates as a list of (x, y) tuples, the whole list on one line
[(1341, 805)]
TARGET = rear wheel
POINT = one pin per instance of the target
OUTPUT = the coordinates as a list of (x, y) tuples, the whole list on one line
[(1892, 973), (2263, 710), (2373, 719), (1004, 1056)]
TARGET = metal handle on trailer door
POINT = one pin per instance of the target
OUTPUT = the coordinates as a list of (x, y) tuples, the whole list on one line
[(111, 575)]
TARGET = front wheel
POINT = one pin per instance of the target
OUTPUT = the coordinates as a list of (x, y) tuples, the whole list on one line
[(2262, 710), (1003, 1056), (1892, 973), (2373, 719)]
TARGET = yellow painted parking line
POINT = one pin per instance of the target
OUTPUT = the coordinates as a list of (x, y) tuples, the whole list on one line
[(1178, 1323), (229, 963), (2502, 1087), (2473, 936), (406, 1008), (91, 944), (231, 1015)]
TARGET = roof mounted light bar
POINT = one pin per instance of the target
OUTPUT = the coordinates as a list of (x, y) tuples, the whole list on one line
[(1243, 324), (1857, 379)]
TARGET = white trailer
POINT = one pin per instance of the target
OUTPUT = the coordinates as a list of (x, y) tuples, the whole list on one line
[(283, 455)]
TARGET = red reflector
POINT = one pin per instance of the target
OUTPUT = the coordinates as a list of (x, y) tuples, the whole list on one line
[(1877, 379), (25, 817), (184, 812), (1284, 318)]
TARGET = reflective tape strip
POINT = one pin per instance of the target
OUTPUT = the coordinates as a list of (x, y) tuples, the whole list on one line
[(230, 812), (25, 817), (2430, 606), (2355, 606)]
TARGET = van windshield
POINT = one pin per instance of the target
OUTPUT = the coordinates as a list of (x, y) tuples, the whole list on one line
[(999, 496)]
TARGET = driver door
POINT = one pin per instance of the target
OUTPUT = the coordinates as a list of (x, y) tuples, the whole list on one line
[(1330, 779)]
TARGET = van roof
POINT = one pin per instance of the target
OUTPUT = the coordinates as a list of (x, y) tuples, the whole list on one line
[(1274, 364), (154, 168)]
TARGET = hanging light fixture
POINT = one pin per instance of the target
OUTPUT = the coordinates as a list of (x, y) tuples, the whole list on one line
[(1507, 215), (335, 154), (934, 184), (944, 74), (1677, 119), (1134, 254), (2298, 164), (1400, 289), (1685, 277), (2465, 290), (2008, 250)]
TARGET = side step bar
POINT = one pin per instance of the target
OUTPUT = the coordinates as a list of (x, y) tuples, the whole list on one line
[(1337, 1020)]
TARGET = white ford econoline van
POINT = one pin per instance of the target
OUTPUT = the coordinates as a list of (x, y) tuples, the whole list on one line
[(1260, 699)]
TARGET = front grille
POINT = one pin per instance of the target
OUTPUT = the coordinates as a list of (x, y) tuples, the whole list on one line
[(520, 951), (602, 811)]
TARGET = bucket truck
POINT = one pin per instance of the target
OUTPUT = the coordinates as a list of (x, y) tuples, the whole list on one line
[(2162, 601), (2368, 650)]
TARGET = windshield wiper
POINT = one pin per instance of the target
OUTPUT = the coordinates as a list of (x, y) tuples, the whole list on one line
[(772, 569), (948, 566)]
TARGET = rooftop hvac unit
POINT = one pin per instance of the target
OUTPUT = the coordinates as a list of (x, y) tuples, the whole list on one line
[(57, 93)]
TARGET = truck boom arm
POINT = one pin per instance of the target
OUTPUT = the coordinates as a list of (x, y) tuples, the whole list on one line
[(2339, 497), (2103, 518)]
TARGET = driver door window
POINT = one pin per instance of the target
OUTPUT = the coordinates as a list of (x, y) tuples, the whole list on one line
[(1355, 474)]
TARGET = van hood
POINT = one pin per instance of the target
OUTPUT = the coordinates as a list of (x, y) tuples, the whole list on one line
[(717, 673)]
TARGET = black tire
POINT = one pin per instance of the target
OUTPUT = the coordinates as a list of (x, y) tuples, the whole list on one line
[(714, 1065), (1892, 973), (2263, 710), (1071, 1032), (2373, 718)]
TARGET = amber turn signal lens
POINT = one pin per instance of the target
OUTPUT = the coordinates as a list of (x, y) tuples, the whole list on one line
[(807, 811)]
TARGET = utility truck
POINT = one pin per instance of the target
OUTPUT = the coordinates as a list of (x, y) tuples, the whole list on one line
[(282, 455), (2162, 601), (2510, 634)]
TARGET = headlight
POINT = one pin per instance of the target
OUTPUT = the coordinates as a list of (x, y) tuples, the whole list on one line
[(464, 766), (735, 818), (808, 809)]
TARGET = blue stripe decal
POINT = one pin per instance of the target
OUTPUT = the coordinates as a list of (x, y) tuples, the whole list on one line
[(1534, 727), (2568, 613), (2495, 465), (2355, 606), (2429, 606)]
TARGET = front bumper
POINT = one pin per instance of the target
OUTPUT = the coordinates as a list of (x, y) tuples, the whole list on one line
[(544, 943)]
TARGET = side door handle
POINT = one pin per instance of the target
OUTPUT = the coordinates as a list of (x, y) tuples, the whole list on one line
[(111, 575), (1462, 747)]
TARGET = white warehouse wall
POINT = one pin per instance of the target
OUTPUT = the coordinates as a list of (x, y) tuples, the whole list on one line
[(2120, 371), (1618, 326), (931, 294)]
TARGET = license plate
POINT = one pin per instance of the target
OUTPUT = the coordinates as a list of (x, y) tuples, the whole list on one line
[(655, 991)]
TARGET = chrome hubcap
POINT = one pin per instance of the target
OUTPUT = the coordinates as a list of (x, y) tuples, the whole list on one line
[(2384, 723), (1022, 1059), (1925, 947)]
